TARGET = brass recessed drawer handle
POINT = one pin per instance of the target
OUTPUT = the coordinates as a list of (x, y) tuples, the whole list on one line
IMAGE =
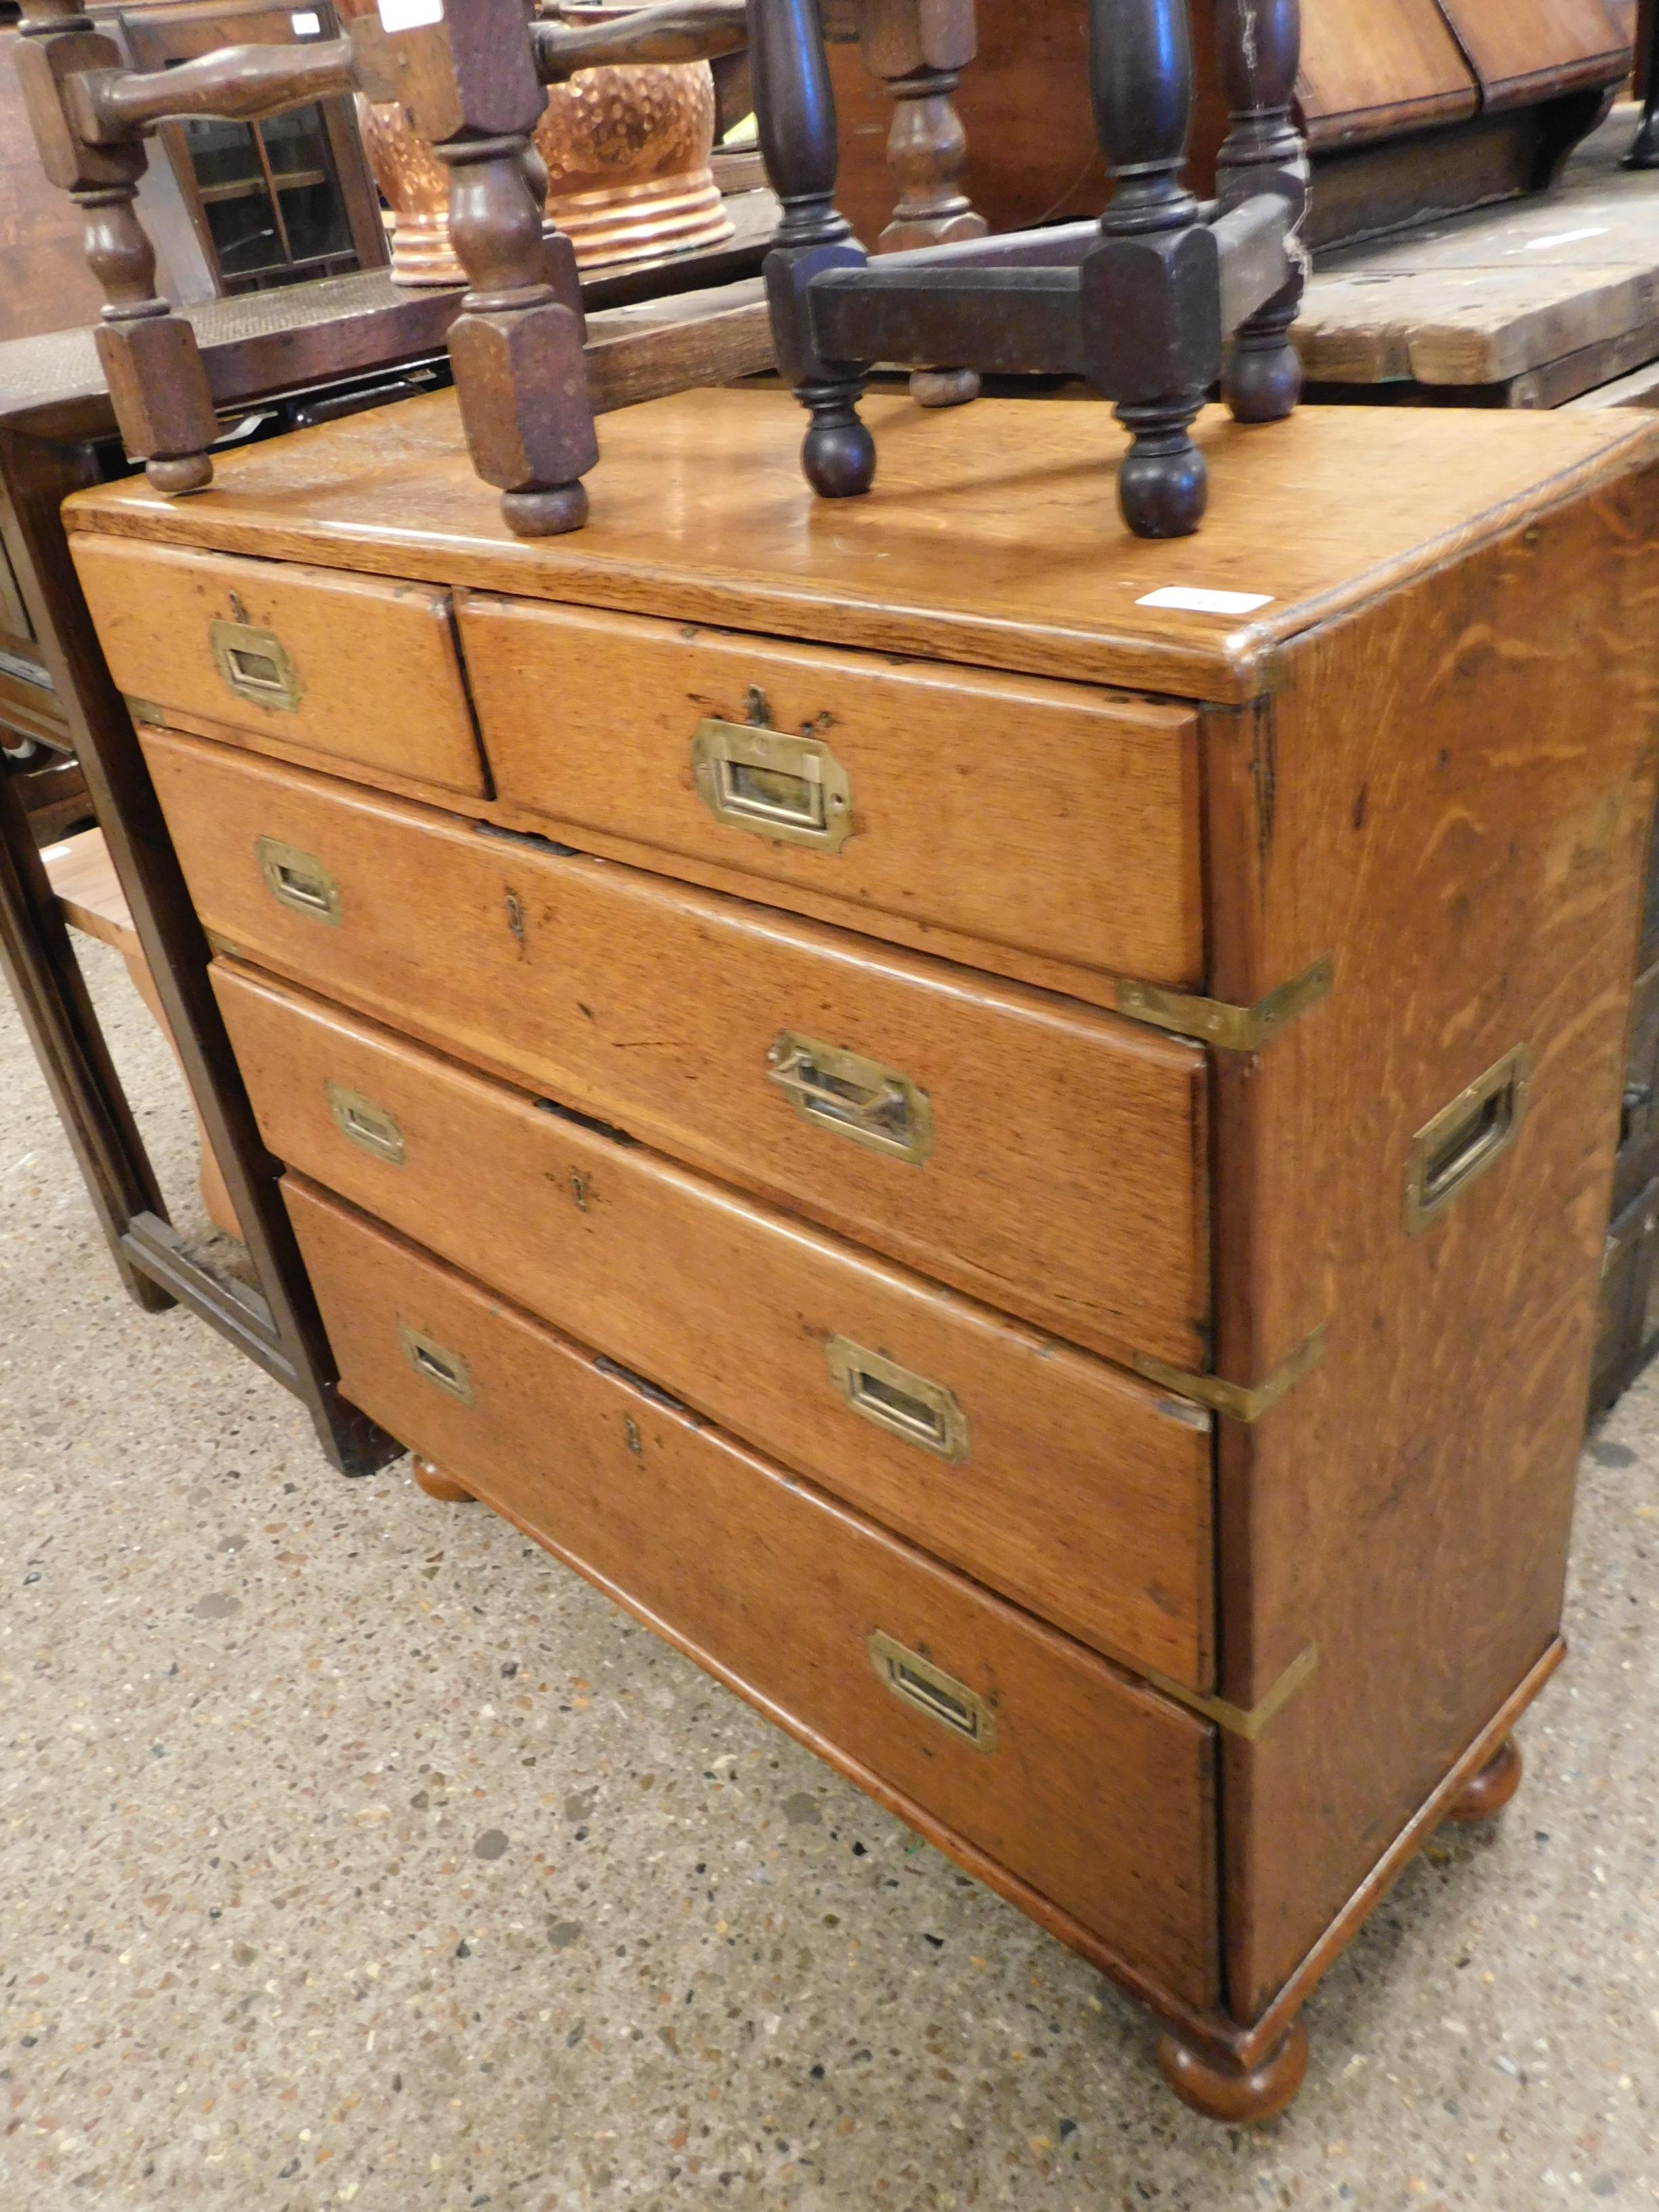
[(1465, 1138), (791, 790), (366, 1125), (255, 664), (918, 1682), (298, 880), (903, 1404), (436, 1364), (855, 1097)]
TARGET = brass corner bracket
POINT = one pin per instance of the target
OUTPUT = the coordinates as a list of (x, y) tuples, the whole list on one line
[(1234, 1718), (1240, 1401), (1213, 1021)]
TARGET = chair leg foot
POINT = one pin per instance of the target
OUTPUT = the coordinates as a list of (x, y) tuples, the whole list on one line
[(547, 513), (1262, 380), (1240, 2096), (1489, 1789), (436, 1484), (1162, 486), (944, 387), (838, 453)]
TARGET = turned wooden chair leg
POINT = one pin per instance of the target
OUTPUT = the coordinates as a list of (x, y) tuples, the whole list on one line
[(1257, 42), (1216, 2086), (1489, 1789), (436, 1484), (919, 54), (795, 115), (1155, 259)]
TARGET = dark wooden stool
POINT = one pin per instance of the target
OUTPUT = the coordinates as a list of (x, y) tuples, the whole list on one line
[(1139, 303)]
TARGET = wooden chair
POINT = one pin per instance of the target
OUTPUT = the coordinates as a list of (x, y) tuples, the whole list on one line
[(473, 84), (1139, 303)]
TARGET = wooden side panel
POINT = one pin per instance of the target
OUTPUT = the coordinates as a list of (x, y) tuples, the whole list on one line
[(373, 662), (1078, 1491), (1097, 1792), (1047, 819), (1450, 793), (1370, 69), (1065, 1180), (1527, 50)]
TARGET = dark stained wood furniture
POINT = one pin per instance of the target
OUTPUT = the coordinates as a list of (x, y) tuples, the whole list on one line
[(1139, 303), (306, 351), (1411, 108), (1011, 1149)]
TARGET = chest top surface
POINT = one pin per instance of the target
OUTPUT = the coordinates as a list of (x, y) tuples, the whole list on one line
[(992, 535)]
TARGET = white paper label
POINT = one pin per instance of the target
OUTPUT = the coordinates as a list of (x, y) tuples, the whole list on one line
[(1563, 238), (306, 24), (1196, 602), (409, 15)]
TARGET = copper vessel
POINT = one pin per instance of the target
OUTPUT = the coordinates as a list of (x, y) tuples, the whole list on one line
[(627, 152)]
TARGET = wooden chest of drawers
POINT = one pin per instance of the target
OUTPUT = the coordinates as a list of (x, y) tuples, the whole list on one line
[(1002, 1130)]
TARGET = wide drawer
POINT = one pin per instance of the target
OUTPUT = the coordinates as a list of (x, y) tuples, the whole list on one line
[(1089, 1787), (1047, 1158), (359, 671), (1046, 831), (1076, 1490)]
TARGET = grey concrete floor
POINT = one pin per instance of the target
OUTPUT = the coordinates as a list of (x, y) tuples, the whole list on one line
[(353, 1853)]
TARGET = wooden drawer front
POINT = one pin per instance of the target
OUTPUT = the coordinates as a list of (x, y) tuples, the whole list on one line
[(1009, 823), (1063, 1179), (358, 670), (1071, 1487), (1090, 1786)]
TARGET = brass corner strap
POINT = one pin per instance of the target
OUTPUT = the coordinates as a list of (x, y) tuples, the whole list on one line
[(1231, 1029), (1234, 1718), (1241, 1402)]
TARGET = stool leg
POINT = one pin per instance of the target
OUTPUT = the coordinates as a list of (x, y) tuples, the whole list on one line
[(795, 114), (1257, 46), (1151, 328)]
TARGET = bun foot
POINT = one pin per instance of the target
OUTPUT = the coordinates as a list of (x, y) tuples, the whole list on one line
[(1489, 1789), (437, 1485), (545, 513), (838, 453), (1162, 486), (174, 479), (1261, 383), (944, 387), (1240, 2096)]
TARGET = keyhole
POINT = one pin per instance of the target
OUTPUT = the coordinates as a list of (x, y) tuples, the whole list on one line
[(579, 1192), (630, 1429)]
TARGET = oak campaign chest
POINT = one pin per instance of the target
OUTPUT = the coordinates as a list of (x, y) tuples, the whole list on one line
[(1001, 1130)]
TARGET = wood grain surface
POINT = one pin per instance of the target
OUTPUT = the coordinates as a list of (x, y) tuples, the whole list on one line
[(1098, 1792), (700, 514), (1051, 820), (1082, 1493), (1067, 1179), (1461, 785), (1518, 48), (380, 680)]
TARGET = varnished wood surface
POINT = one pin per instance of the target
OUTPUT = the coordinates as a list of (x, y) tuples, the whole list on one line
[(1461, 783), (1515, 46), (377, 678), (1054, 821), (1082, 1493), (1067, 1181), (991, 537), (1098, 1792), (1370, 69)]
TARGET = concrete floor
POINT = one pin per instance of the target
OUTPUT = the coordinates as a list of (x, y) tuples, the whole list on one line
[(352, 1853)]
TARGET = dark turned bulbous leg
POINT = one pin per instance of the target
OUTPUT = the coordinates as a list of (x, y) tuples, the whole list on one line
[(838, 454), (436, 1484), (1239, 2096), (1162, 485), (1488, 1790), (1262, 380)]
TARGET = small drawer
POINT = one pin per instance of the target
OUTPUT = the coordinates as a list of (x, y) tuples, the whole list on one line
[(1046, 1159), (1084, 1784), (361, 672), (1079, 1491), (1045, 830)]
